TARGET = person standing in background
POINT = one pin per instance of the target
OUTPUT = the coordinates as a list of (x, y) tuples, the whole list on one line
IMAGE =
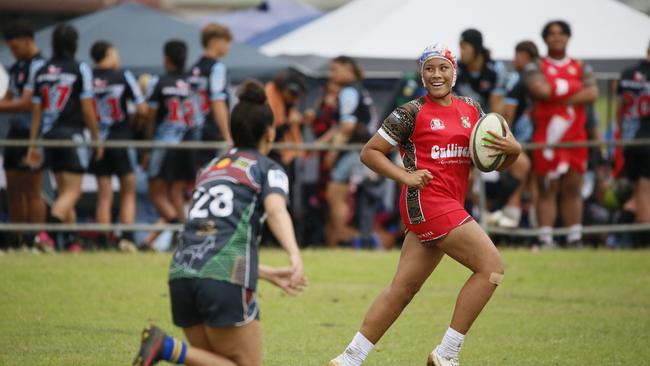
[(518, 107), (23, 182), (170, 99), (113, 89), (62, 107), (562, 87), (354, 113), (634, 123), (479, 77), (209, 78)]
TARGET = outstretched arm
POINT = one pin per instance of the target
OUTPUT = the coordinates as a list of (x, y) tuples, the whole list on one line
[(281, 226)]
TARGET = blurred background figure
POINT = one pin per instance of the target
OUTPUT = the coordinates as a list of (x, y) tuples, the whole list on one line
[(24, 183), (561, 88), (62, 108), (517, 110), (634, 123), (479, 77), (114, 89), (354, 114), (209, 78), (170, 99)]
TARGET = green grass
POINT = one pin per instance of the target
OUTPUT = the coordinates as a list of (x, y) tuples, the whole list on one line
[(554, 308)]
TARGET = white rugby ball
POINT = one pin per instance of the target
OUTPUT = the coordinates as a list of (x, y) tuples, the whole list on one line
[(480, 154)]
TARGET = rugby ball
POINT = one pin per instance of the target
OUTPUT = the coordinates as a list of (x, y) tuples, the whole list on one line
[(481, 154)]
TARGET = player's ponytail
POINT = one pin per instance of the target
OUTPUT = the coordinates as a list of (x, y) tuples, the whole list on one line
[(251, 117)]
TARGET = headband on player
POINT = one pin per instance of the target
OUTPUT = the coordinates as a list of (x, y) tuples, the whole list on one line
[(437, 50)]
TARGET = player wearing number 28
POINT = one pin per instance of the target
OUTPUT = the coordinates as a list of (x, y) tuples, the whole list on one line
[(214, 270)]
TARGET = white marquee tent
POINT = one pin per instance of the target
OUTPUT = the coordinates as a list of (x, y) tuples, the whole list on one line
[(400, 29)]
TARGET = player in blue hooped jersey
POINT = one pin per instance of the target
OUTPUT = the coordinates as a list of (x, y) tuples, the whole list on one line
[(62, 108), (214, 270), (23, 183)]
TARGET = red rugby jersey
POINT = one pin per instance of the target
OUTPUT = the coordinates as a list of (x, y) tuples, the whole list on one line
[(554, 120), (436, 138)]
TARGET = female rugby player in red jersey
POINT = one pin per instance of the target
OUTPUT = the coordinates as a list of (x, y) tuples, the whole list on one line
[(433, 135)]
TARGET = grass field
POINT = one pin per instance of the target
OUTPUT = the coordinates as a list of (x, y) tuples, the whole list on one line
[(554, 308)]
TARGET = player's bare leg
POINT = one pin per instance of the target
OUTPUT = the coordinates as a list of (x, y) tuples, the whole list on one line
[(159, 194), (520, 170), (18, 202), (104, 200), (415, 265), (339, 212), (127, 198), (37, 208), (242, 345), (469, 245), (68, 194), (642, 193), (571, 205), (547, 208), (177, 195)]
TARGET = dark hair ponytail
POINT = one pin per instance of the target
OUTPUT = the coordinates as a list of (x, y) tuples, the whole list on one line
[(251, 117)]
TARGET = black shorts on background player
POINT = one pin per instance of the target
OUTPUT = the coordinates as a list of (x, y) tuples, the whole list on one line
[(637, 158), (213, 303), (72, 160), (118, 162), (14, 156)]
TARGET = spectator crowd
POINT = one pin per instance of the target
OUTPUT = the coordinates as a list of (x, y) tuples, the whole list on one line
[(546, 98)]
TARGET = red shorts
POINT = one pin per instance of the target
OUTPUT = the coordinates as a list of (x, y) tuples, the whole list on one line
[(432, 230), (556, 162)]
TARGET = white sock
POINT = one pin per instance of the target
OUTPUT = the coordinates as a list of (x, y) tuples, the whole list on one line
[(451, 343), (512, 212), (357, 350), (575, 233), (546, 234)]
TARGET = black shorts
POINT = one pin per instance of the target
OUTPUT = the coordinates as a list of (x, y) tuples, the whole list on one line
[(210, 302), (14, 157), (118, 162), (637, 158), (209, 133), (172, 165), (73, 159)]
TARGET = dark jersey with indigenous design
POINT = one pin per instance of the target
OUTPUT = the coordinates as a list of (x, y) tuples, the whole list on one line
[(209, 79), (113, 89), (517, 94), (173, 97), (436, 138), (221, 236), (59, 87), (480, 85), (21, 77)]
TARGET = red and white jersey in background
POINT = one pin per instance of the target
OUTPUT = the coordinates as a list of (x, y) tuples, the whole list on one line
[(557, 122)]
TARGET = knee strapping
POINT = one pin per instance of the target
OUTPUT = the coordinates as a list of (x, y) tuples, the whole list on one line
[(496, 278)]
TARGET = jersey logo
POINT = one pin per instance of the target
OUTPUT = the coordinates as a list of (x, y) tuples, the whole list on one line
[(223, 163), (465, 121), (572, 70), (53, 70), (552, 70), (21, 77), (449, 151), (196, 71), (437, 124), (278, 179)]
